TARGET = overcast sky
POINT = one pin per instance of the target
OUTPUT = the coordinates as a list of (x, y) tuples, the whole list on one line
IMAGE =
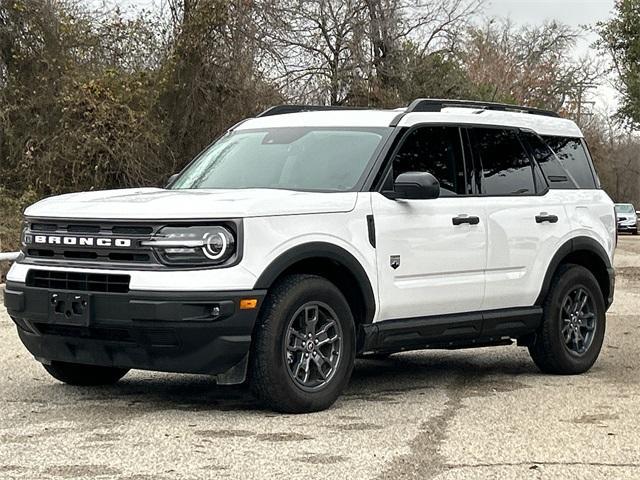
[(572, 12), (575, 13)]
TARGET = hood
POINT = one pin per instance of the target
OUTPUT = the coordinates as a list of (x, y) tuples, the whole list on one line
[(157, 203)]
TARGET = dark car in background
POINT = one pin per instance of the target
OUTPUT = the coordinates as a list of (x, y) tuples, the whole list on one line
[(626, 218)]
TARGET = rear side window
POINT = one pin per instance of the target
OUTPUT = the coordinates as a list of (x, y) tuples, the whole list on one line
[(556, 175), (506, 167), (437, 150), (574, 158)]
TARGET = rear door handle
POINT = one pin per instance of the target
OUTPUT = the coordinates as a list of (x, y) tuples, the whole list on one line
[(460, 219), (545, 217)]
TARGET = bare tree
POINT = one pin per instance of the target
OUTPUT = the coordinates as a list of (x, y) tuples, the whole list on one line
[(616, 155), (528, 65), (432, 26), (320, 45), (345, 52)]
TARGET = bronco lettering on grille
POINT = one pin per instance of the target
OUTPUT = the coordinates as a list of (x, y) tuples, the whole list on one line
[(81, 241)]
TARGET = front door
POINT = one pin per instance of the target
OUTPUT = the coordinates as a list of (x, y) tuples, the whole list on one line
[(431, 254)]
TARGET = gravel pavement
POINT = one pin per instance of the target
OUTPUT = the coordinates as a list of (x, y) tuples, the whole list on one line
[(475, 414)]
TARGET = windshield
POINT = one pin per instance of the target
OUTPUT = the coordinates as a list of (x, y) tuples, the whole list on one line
[(309, 159), (625, 208)]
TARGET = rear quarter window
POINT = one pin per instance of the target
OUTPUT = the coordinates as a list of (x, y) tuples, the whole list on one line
[(556, 175), (573, 156)]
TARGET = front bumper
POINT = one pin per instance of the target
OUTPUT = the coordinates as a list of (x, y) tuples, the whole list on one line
[(164, 331), (628, 228)]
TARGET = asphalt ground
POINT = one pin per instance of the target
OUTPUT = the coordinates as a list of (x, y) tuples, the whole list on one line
[(475, 414)]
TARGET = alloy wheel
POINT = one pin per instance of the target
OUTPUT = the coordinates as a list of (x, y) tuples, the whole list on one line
[(313, 346), (578, 321)]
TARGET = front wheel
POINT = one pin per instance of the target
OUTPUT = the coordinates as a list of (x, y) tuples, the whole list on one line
[(304, 347), (84, 375), (572, 332)]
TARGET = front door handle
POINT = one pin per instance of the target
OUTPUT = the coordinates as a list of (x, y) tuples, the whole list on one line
[(460, 219), (545, 217)]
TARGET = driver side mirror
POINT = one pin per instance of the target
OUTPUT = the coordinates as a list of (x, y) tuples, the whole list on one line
[(172, 179), (415, 186)]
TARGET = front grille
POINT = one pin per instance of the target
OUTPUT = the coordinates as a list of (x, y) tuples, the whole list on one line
[(78, 281), (69, 254), (151, 338), (107, 334)]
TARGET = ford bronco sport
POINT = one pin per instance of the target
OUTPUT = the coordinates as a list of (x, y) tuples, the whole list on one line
[(308, 236)]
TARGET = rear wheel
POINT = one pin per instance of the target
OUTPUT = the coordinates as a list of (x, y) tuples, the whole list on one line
[(304, 346), (84, 375), (572, 332)]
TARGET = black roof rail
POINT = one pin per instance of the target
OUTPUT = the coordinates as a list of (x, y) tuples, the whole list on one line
[(436, 105), (283, 109)]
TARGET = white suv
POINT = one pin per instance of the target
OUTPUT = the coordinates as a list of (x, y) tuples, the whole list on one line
[(311, 235), (627, 218)]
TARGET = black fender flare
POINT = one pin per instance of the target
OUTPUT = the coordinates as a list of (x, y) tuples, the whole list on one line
[(322, 250), (575, 245)]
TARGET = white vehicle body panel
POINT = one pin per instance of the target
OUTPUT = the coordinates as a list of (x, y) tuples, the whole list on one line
[(520, 250), (442, 266), (265, 238), (540, 124), (341, 118), (544, 125), (444, 269), (591, 215), (233, 278), (161, 204), (499, 263)]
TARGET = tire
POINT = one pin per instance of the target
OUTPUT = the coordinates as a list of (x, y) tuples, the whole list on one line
[(552, 350), (84, 375), (278, 367), (634, 232)]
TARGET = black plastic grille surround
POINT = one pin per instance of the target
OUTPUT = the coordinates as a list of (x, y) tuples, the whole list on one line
[(145, 337), (50, 254), (78, 281), (107, 334), (80, 243)]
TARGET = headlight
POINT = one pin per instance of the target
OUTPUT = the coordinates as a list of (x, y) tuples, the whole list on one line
[(203, 245), (25, 238)]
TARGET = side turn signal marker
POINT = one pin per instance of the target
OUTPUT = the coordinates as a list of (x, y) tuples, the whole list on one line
[(248, 303)]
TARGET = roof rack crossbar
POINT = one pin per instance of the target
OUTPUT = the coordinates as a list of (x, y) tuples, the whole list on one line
[(436, 105), (283, 109)]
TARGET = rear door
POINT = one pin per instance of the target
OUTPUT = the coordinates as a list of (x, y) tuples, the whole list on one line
[(431, 254), (525, 222)]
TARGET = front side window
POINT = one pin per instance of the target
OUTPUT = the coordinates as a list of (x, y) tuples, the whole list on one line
[(438, 151), (573, 157), (301, 158), (506, 167)]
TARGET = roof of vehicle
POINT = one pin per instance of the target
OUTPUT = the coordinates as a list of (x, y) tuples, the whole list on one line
[(445, 112), (333, 118)]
